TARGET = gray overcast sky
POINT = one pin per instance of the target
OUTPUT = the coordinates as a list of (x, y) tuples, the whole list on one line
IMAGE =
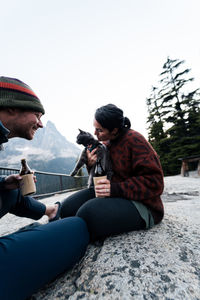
[(80, 54)]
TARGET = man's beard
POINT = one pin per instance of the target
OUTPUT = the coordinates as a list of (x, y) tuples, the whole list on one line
[(23, 132)]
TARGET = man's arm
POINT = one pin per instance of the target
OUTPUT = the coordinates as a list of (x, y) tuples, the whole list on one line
[(2, 181)]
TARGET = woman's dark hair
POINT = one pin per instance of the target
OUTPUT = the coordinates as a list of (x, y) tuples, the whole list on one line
[(110, 116)]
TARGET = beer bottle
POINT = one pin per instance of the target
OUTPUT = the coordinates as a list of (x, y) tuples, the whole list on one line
[(27, 183), (99, 171), (25, 169)]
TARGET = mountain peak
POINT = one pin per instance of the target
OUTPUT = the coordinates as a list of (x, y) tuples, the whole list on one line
[(47, 144), (50, 124)]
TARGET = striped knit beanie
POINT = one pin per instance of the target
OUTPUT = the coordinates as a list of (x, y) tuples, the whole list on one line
[(17, 94)]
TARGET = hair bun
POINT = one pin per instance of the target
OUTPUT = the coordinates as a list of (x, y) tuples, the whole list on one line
[(127, 123)]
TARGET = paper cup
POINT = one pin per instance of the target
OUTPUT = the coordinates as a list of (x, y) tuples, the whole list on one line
[(27, 185), (95, 179)]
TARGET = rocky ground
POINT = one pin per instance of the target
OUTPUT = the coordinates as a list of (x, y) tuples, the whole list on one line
[(161, 263)]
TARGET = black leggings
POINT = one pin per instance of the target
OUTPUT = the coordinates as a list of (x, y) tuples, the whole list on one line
[(103, 216)]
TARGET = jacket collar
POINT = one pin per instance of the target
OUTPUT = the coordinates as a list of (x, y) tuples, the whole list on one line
[(119, 136)]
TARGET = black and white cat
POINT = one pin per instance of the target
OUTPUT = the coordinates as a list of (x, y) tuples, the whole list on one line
[(89, 142)]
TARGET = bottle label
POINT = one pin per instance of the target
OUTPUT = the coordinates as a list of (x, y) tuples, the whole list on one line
[(27, 185)]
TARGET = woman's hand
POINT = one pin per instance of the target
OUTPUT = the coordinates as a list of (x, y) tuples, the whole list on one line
[(103, 188), (92, 157)]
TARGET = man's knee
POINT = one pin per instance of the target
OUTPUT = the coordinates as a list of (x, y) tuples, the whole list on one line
[(79, 223), (75, 226)]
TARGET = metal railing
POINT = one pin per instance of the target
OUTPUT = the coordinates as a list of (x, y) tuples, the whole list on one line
[(51, 183)]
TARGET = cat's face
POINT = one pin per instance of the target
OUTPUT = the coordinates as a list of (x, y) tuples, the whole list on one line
[(84, 138)]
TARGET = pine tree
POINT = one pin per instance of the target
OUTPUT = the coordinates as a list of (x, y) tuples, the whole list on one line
[(174, 117), (173, 107), (156, 131)]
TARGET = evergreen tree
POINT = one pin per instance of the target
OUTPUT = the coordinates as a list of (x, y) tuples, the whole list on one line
[(172, 83), (173, 121), (156, 131)]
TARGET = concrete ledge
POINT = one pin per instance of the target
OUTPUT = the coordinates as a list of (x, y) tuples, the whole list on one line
[(162, 263)]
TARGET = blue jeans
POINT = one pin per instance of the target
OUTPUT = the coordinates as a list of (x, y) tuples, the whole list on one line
[(31, 258)]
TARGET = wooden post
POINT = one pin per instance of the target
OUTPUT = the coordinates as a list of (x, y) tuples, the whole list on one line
[(198, 168), (184, 169)]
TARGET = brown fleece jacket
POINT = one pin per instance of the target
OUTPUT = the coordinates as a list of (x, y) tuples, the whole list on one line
[(137, 172)]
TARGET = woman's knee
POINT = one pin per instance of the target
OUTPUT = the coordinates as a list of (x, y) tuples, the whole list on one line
[(89, 213), (70, 205), (86, 212)]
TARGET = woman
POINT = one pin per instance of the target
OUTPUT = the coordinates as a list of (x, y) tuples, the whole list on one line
[(131, 200)]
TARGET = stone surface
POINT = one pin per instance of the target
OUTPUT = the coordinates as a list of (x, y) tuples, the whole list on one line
[(161, 263)]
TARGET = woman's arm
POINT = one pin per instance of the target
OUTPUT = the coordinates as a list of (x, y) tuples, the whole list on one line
[(146, 184)]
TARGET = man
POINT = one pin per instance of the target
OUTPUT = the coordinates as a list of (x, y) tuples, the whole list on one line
[(31, 258), (20, 116)]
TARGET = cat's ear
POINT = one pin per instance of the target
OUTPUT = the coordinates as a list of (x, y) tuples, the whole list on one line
[(80, 130)]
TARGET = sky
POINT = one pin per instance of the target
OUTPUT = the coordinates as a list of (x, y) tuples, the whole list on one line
[(78, 55)]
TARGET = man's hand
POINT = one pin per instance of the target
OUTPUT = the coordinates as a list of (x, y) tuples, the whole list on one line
[(12, 182)]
